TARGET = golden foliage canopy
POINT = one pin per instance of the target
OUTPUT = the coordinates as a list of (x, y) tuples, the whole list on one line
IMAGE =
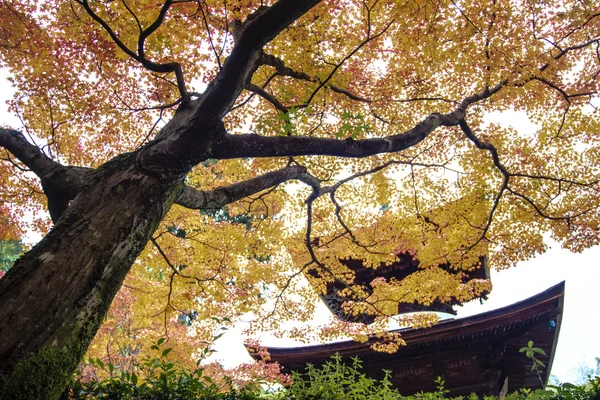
[(398, 124)]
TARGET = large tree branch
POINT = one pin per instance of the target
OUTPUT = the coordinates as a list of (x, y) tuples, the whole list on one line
[(153, 27), (60, 183), (27, 153), (247, 53), (282, 69), (250, 145), (140, 57), (219, 197)]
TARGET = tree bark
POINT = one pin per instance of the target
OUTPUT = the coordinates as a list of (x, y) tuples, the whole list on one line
[(56, 296)]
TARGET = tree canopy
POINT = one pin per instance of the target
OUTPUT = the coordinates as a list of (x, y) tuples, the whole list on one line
[(211, 154)]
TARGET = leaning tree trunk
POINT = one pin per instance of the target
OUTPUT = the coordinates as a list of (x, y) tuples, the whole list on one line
[(75, 271), (73, 275)]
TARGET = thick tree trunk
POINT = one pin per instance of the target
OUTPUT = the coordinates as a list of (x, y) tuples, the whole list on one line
[(72, 276), (55, 297)]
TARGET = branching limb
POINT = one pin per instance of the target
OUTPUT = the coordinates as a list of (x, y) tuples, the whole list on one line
[(349, 94), (347, 230), (569, 49), (246, 54), (61, 184), (210, 38), (172, 67), (319, 190), (175, 272), (250, 145), (267, 96), (505, 185), (27, 153), (219, 197), (496, 160), (567, 98), (108, 29), (282, 70), (288, 282), (591, 185), (545, 215), (153, 27), (247, 100), (356, 297)]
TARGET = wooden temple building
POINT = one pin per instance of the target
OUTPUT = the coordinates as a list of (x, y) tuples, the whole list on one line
[(478, 354)]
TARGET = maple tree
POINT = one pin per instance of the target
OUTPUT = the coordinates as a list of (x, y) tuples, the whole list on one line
[(215, 141)]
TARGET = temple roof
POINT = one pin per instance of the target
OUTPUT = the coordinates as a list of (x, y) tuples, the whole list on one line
[(473, 354)]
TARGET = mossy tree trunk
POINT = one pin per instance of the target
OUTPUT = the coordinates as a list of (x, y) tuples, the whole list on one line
[(56, 296), (72, 276)]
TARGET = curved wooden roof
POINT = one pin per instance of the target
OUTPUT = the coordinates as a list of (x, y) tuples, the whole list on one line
[(473, 354)]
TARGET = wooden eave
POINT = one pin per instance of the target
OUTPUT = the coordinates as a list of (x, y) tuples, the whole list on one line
[(484, 346)]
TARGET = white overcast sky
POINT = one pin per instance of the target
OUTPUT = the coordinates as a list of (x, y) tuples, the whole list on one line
[(580, 330)]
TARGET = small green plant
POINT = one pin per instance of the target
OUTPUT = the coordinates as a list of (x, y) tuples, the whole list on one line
[(530, 352), (335, 380)]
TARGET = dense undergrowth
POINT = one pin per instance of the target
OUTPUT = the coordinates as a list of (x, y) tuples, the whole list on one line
[(160, 379)]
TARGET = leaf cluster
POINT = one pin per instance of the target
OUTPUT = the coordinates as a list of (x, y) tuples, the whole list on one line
[(337, 380), (530, 352), (10, 250)]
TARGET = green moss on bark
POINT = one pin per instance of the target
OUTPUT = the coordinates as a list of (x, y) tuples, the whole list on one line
[(41, 376), (46, 374)]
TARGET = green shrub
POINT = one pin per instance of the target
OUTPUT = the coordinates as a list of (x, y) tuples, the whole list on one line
[(160, 379), (336, 380), (565, 391), (157, 378)]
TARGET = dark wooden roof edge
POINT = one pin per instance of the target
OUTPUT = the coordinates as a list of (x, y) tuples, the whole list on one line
[(524, 309), (558, 321)]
